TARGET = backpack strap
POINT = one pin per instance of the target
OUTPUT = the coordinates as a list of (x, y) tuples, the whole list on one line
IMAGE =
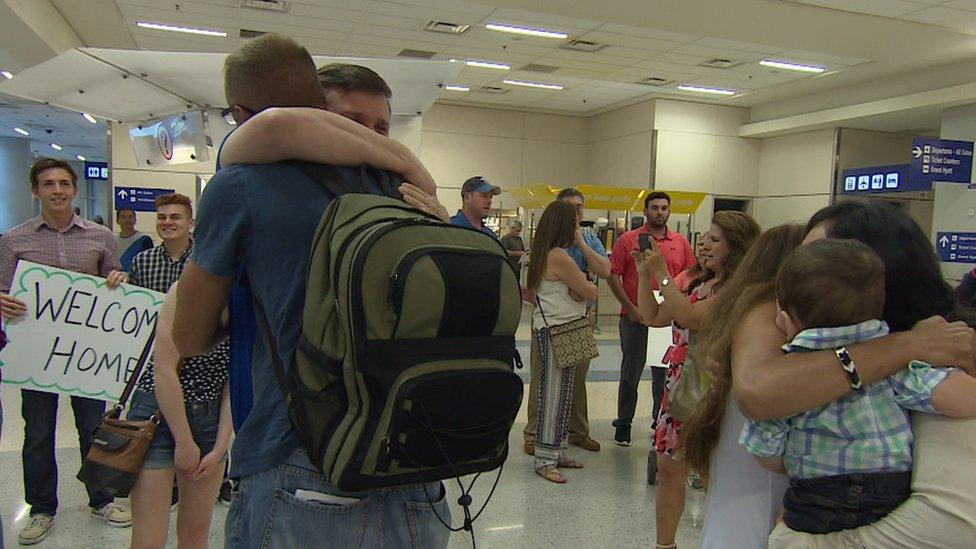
[(330, 178), (279, 368), (134, 376)]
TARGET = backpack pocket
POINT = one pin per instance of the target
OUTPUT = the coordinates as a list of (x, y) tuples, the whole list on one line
[(444, 415)]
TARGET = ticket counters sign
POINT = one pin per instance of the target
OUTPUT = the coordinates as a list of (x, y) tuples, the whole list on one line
[(956, 247), (78, 338), (941, 160)]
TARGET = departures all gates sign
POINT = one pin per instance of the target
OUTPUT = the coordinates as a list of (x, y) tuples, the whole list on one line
[(78, 337), (941, 160), (956, 247)]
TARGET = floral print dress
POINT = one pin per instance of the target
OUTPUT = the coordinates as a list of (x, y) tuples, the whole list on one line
[(668, 428)]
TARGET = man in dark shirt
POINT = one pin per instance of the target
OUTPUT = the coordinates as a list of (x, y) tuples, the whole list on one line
[(513, 244)]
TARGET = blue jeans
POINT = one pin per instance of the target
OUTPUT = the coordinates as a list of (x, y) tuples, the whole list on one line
[(842, 502), (267, 511), (40, 411)]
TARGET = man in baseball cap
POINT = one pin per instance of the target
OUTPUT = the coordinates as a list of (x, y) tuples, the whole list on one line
[(476, 194)]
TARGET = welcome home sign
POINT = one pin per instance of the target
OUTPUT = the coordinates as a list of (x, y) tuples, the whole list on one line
[(78, 337)]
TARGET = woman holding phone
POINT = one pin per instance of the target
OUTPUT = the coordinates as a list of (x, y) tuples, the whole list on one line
[(723, 247)]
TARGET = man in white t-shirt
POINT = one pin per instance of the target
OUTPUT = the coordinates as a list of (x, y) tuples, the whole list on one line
[(129, 241)]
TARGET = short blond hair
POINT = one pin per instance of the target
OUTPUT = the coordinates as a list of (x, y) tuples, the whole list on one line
[(271, 70)]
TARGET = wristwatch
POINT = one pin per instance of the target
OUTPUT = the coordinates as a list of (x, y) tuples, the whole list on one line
[(665, 281)]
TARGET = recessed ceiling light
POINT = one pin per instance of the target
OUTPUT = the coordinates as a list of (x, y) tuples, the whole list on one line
[(89, 118), (56, 147), (80, 157), (21, 131), (542, 33), (533, 84), (705, 89), (174, 28), (487, 65), (791, 66), (7, 74), (456, 88)]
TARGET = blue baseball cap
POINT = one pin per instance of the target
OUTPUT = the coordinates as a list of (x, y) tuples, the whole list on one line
[(478, 184)]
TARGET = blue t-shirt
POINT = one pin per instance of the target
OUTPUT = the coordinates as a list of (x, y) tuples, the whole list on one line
[(593, 241), (263, 217), (461, 220)]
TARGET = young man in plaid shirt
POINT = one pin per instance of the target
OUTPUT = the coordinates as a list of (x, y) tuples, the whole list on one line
[(849, 462)]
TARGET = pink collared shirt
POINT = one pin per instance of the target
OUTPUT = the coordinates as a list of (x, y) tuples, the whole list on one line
[(85, 247)]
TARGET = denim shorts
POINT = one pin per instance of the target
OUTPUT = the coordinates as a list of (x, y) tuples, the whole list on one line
[(203, 417)]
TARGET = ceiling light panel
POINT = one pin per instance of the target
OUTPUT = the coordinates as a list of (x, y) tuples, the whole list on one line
[(527, 31), (705, 89), (786, 65), (177, 28), (56, 147), (456, 88), (7, 74), (89, 118), (487, 65), (528, 84), (22, 131)]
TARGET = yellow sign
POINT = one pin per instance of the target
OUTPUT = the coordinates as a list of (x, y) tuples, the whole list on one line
[(599, 197), (682, 202)]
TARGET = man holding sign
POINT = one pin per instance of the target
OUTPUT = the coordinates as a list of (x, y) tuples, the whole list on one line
[(58, 238)]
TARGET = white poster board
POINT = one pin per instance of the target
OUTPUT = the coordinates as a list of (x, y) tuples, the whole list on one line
[(78, 337)]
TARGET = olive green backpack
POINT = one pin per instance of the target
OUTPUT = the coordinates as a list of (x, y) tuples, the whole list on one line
[(404, 371)]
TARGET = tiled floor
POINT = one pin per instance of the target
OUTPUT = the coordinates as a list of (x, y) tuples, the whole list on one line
[(607, 503)]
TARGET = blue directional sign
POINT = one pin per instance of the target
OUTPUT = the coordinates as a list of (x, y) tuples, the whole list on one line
[(878, 179), (96, 170), (956, 247), (941, 160), (137, 198)]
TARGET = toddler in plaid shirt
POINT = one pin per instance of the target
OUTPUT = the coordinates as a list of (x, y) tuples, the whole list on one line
[(850, 461)]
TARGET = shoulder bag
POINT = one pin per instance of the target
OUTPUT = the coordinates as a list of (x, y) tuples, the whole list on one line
[(570, 343), (118, 446)]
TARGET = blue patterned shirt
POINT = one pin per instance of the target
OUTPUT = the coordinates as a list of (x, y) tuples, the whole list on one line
[(865, 431)]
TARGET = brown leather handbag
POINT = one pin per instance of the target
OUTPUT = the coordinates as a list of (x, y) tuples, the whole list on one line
[(118, 446), (571, 343)]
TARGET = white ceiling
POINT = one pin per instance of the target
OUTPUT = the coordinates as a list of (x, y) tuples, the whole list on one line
[(593, 81), (67, 128), (860, 41)]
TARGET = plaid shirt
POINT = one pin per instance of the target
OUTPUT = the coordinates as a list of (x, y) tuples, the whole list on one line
[(866, 431), (155, 270), (84, 247), (202, 377)]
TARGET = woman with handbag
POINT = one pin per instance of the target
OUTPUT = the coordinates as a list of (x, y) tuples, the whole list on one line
[(192, 400), (563, 333), (723, 247)]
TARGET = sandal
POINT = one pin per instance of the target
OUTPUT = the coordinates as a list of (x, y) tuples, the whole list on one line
[(569, 463), (552, 475)]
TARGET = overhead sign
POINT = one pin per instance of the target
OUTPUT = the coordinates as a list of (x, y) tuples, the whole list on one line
[(880, 179), (137, 198), (956, 247), (96, 170), (178, 139), (78, 337), (941, 160)]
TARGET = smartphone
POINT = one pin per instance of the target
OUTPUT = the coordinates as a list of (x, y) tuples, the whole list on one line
[(644, 241)]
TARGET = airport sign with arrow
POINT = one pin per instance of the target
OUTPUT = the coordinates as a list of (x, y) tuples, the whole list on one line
[(956, 247), (940, 160), (138, 199)]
